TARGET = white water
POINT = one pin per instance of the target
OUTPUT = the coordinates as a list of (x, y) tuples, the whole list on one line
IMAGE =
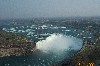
[(57, 43)]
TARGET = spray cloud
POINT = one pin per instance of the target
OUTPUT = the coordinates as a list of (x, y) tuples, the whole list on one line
[(58, 43)]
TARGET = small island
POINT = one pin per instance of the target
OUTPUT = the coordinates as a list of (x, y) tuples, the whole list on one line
[(15, 44)]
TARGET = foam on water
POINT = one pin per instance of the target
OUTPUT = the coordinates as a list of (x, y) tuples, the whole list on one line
[(58, 43)]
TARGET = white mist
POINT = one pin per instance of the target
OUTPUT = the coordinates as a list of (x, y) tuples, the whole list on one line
[(58, 43)]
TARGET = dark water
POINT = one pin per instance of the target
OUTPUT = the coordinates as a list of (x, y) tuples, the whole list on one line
[(38, 59)]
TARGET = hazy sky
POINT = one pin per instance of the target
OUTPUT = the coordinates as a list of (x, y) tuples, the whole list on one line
[(48, 8)]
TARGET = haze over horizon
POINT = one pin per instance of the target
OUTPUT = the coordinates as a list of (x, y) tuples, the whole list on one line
[(48, 8)]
